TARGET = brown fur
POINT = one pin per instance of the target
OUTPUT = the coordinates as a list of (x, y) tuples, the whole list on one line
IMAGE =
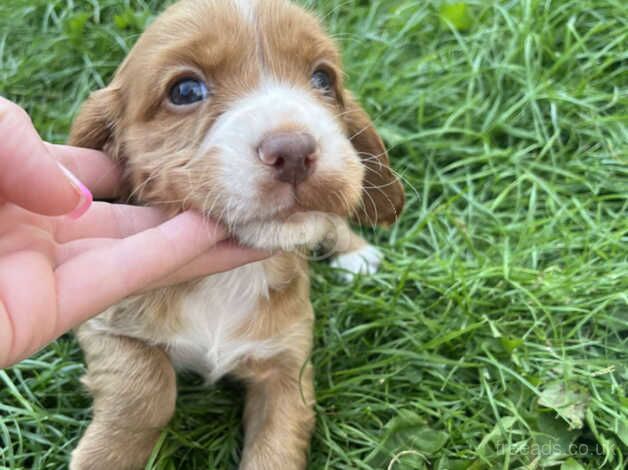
[(134, 391), (129, 374)]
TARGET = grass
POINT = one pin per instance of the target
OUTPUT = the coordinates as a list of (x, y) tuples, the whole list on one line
[(495, 336)]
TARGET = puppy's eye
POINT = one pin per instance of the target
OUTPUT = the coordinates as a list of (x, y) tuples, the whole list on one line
[(321, 80), (188, 91)]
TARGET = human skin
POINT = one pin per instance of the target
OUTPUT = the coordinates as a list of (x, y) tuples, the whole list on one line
[(64, 258)]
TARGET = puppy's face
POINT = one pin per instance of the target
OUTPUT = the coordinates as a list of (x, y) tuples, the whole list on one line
[(237, 108)]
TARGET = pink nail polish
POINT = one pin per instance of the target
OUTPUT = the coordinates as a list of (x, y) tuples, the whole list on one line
[(85, 196)]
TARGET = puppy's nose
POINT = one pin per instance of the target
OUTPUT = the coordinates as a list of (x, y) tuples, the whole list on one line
[(291, 154)]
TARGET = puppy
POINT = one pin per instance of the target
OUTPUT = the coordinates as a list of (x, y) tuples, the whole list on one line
[(235, 108)]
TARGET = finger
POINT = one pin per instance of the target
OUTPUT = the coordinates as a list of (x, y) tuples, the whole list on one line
[(226, 255), (105, 220), (95, 169), (28, 316), (12, 215), (29, 176), (102, 220), (223, 257), (66, 251), (27, 238), (89, 283)]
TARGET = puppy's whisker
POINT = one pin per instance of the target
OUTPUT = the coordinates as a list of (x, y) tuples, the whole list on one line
[(373, 158)]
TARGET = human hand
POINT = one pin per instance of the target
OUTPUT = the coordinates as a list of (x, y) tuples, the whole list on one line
[(57, 270)]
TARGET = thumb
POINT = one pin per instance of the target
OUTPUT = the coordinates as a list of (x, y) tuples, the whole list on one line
[(29, 176)]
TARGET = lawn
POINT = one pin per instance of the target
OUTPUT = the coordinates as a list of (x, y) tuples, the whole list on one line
[(495, 335)]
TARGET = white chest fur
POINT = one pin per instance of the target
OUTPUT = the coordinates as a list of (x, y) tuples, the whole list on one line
[(212, 314)]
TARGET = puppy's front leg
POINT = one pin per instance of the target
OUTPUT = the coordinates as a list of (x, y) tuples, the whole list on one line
[(353, 254), (278, 417), (134, 390)]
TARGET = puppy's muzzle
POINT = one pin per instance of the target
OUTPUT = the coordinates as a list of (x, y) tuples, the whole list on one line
[(292, 155)]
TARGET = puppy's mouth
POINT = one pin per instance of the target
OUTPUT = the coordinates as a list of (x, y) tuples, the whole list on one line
[(283, 215), (283, 203), (291, 218)]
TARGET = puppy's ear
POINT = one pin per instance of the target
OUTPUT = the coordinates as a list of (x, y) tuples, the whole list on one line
[(382, 192), (97, 123)]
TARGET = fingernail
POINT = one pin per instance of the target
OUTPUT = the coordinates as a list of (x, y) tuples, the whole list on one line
[(85, 196)]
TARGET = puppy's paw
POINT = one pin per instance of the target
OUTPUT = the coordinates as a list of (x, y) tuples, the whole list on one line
[(364, 261)]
